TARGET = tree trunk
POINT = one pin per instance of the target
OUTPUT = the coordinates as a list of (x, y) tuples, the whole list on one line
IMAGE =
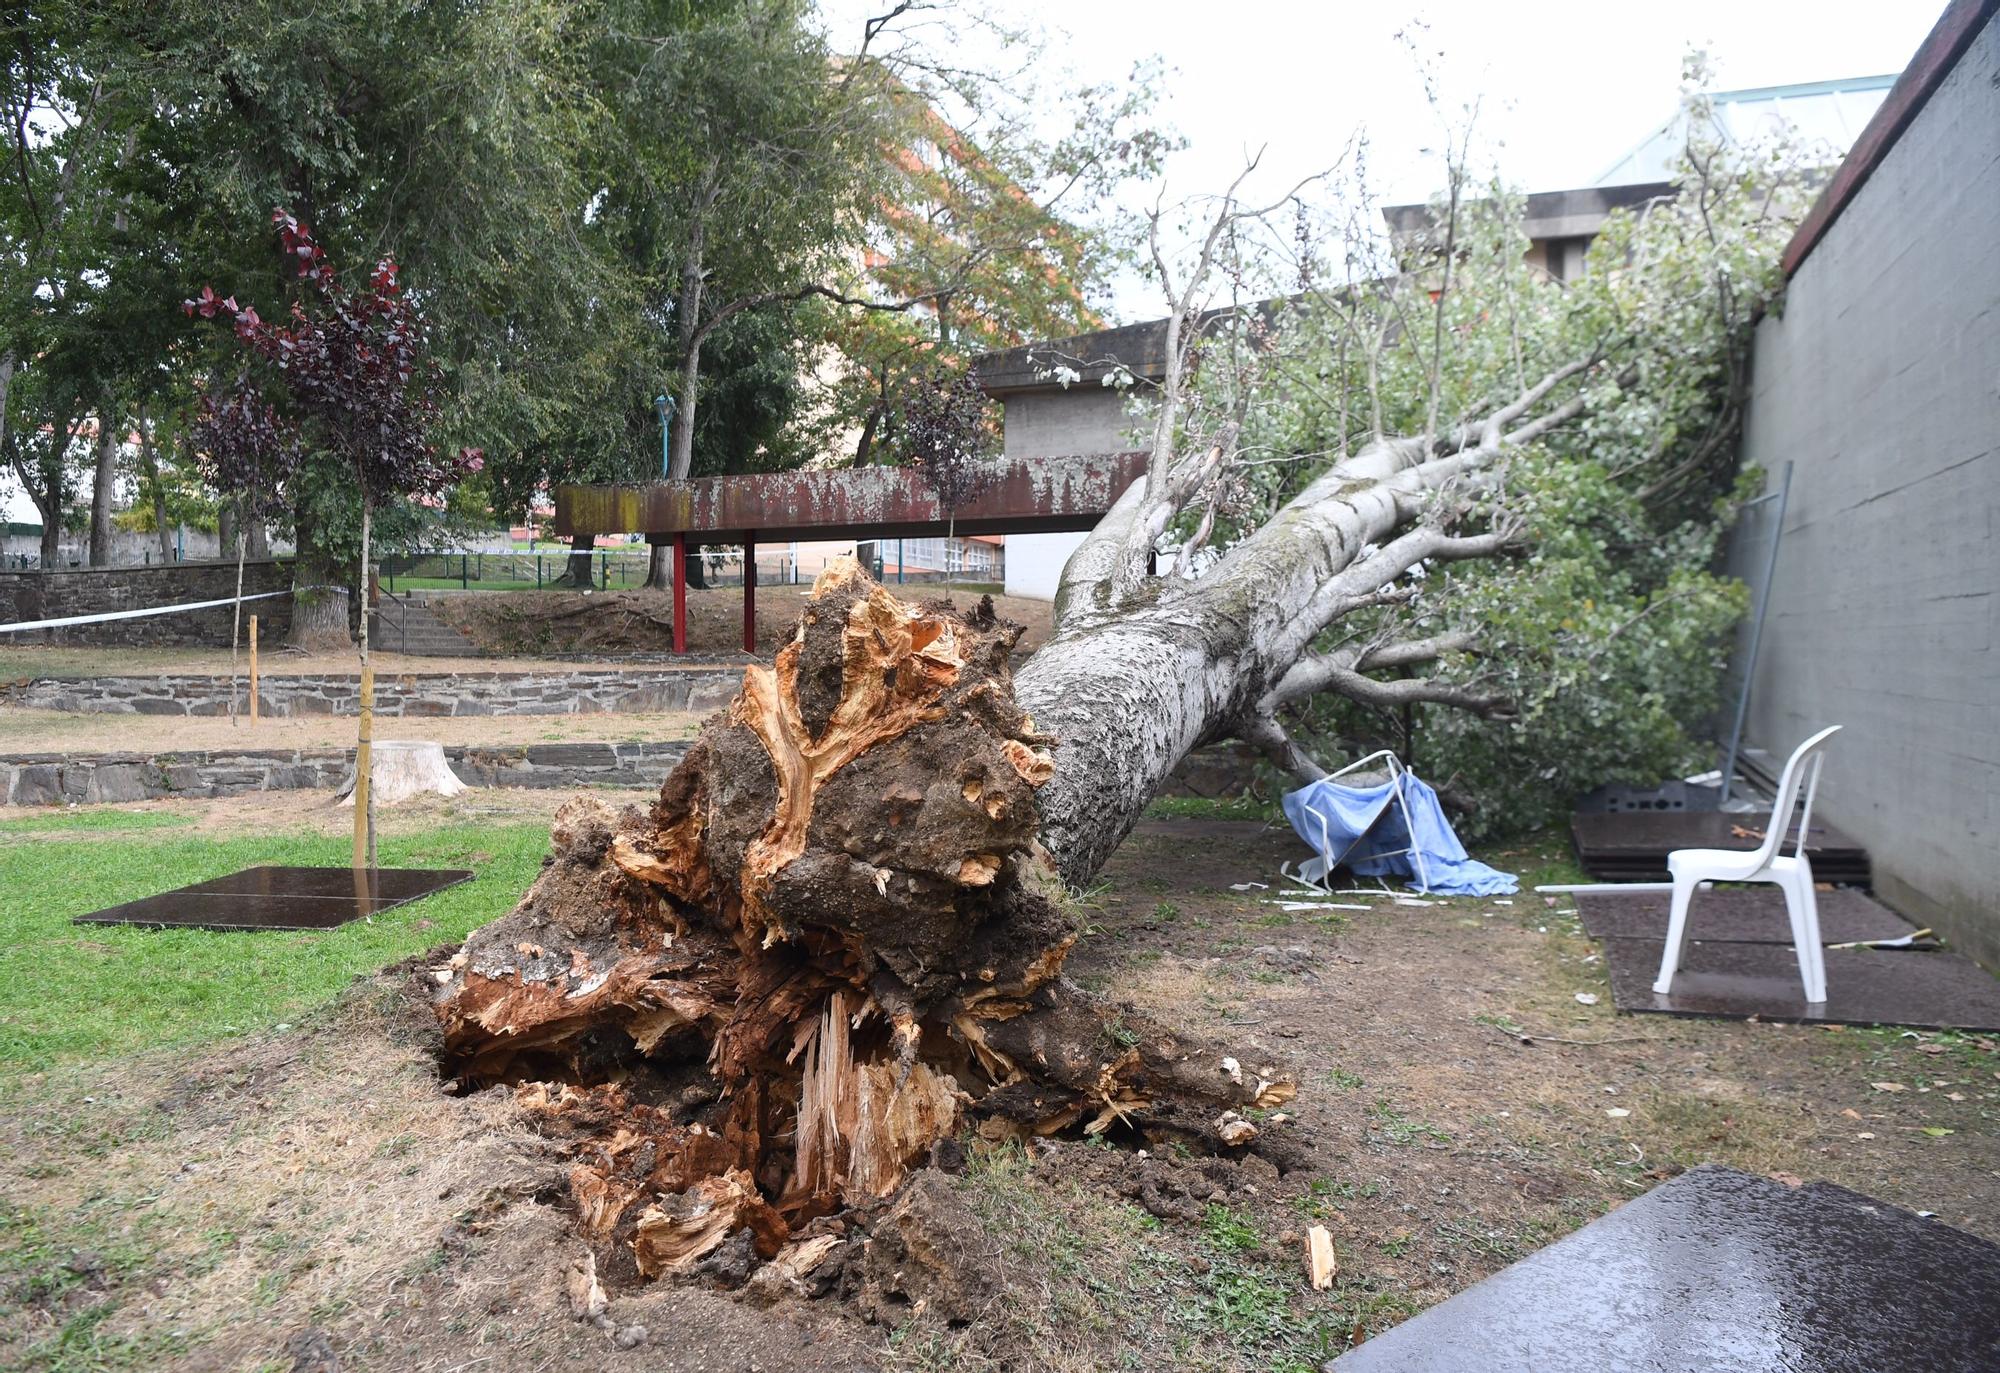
[(226, 526), (149, 455), (104, 488), (830, 945), (688, 337), (366, 582), (258, 535), (1130, 689), (576, 571), (401, 768), (235, 630), (319, 604), (50, 504), (7, 365)]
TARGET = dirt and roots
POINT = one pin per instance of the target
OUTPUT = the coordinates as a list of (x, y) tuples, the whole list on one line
[(593, 624), (832, 943)]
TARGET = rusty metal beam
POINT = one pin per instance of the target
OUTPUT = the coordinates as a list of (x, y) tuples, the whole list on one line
[(1024, 496)]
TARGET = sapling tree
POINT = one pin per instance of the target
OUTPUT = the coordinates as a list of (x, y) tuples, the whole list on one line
[(250, 453), (357, 383), (946, 437)]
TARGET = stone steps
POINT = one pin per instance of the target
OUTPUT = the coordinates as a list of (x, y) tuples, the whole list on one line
[(409, 625)]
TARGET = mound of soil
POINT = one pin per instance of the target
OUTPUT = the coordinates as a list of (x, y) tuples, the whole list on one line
[(586, 624)]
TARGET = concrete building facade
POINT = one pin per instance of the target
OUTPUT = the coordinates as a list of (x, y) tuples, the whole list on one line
[(1880, 384)]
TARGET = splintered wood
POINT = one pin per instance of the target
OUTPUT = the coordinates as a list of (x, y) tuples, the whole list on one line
[(1321, 1266), (830, 943)]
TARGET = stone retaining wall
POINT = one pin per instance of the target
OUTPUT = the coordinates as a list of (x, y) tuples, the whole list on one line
[(96, 590), (54, 779), (50, 779), (608, 691)]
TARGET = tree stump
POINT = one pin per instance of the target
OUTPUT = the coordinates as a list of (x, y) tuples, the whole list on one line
[(832, 941), (402, 768)]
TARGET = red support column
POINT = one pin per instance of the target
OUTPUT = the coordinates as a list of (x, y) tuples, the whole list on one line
[(680, 593), (749, 595)]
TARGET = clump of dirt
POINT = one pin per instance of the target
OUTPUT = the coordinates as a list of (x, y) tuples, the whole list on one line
[(605, 624), (830, 945)]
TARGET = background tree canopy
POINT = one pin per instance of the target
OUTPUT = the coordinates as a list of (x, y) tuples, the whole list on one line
[(596, 204)]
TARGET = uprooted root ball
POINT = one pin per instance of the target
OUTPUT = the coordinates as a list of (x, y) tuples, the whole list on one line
[(832, 943)]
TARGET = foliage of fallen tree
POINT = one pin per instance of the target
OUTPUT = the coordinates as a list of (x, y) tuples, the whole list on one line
[(1432, 492)]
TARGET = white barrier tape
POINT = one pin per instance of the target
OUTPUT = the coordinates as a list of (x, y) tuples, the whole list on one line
[(135, 614)]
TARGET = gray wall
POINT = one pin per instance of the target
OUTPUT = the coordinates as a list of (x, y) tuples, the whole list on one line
[(94, 591), (1084, 418), (1055, 424), (1881, 383)]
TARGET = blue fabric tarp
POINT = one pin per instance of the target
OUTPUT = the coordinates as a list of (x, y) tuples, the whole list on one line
[(1361, 827)]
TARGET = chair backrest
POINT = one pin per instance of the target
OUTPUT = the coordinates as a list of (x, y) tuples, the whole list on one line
[(1802, 768)]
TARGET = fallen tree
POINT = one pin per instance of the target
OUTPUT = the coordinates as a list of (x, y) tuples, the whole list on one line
[(837, 938)]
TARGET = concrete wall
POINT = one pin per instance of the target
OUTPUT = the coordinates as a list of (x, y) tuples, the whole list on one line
[(92, 591), (1045, 424), (1881, 382), (1049, 424), (1035, 563)]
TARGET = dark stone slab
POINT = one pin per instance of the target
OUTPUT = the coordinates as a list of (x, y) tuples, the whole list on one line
[(393, 885), (1754, 915), (1650, 832), (1721, 1272), (280, 898), (1927, 989)]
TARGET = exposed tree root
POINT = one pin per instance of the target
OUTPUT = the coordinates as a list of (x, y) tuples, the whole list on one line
[(832, 943)]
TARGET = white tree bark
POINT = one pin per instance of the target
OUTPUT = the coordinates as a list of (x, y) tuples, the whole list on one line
[(1136, 677), (401, 768)]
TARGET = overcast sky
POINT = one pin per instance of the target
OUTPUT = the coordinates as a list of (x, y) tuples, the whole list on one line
[(1563, 90)]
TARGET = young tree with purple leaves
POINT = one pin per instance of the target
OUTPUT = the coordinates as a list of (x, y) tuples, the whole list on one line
[(947, 436), (352, 377)]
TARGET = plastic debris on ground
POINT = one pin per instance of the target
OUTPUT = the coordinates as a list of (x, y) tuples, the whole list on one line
[(1363, 828)]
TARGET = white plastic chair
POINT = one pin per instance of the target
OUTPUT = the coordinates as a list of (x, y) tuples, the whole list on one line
[(1767, 863), (1319, 871)]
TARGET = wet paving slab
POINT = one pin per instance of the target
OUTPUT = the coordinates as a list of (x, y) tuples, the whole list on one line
[(1632, 846), (1720, 1271), (281, 898), (1750, 916), (1926, 989)]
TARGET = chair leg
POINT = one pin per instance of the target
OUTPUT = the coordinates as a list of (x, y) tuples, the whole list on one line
[(1671, 951), (1802, 904)]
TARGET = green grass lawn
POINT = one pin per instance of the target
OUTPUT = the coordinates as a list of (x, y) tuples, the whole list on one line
[(92, 820), (70, 992)]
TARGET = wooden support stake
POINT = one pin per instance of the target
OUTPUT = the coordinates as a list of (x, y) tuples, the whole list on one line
[(253, 669), (363, 764)]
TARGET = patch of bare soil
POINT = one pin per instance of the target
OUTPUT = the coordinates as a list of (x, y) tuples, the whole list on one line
[(319, 1189), (51, 731), (583, 624), (26, 662)]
